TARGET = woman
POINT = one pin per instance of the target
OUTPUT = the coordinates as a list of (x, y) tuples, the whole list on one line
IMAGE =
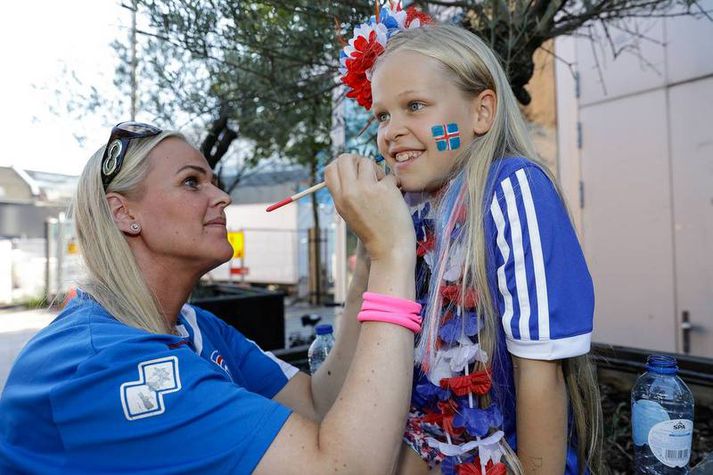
[(130, 378)]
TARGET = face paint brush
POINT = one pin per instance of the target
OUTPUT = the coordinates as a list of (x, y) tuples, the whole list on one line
[(306, 192)]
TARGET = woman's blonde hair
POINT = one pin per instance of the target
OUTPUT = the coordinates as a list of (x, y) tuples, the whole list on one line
[(113, 276), (473, 68)]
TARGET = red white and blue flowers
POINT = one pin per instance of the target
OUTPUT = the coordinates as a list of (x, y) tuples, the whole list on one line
[(446, 424), (357, 58)]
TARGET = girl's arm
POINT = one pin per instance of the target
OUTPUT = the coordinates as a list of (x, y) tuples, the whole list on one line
[(541, 405), (312, 397)]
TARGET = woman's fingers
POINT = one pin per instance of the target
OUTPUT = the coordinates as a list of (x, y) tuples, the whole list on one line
[(331, 178)]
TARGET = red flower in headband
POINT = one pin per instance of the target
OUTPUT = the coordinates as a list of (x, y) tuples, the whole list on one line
[(357, 58), (413, 14), (366, 50)]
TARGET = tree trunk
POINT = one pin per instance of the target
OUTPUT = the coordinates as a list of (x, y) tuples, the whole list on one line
[(219, 138), (315, 238)]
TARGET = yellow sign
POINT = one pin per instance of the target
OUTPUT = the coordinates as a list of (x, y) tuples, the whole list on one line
[(72, 247), (237, 240)]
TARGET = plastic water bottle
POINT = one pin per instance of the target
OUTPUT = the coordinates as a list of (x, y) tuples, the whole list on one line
[(661, 419), (320, 347)]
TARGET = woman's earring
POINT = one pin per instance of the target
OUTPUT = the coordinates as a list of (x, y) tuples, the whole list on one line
[(135, 228)]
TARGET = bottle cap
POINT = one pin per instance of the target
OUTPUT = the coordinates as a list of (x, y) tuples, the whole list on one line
[(323, 329), (661, 364)]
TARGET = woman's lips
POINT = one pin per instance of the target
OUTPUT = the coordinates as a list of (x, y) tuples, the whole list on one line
[(216, 222)]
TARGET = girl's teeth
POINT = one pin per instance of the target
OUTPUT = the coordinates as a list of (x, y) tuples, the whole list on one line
[(403, 156)]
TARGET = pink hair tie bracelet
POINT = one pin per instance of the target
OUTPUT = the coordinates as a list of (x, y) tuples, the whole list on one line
[(390, 309)]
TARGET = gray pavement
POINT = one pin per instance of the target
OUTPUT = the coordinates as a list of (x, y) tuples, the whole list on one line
[(17, 326)]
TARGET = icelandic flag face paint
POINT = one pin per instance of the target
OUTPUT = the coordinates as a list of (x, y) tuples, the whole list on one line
[(447, 136)]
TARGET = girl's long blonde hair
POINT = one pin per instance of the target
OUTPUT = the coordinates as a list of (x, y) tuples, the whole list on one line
[(473, 67), (113, 276)]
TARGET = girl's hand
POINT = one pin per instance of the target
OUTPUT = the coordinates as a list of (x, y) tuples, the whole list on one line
[(372, 205)]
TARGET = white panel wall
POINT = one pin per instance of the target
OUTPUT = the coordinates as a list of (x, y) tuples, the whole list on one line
[(627, 220), (689, 47), (646, 161), (692, 166), (568, 166), (627, 74)]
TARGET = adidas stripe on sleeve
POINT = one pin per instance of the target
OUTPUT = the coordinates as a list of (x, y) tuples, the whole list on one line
[(543, 288)]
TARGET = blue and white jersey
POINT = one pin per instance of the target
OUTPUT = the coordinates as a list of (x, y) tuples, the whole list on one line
[(89, 394), (540, 280)]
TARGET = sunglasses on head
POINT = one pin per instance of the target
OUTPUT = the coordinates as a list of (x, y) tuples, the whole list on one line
[(117, 145)]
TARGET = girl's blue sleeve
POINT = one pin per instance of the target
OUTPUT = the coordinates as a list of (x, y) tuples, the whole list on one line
[(542, 287)]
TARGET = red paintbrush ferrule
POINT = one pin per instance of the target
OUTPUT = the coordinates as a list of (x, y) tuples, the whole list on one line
[(279, 204)]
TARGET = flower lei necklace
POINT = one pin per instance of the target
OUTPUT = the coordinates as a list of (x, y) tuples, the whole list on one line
[(443, 396)]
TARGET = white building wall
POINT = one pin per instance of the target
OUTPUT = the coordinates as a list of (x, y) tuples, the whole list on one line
[(271, 244), (637, 133)]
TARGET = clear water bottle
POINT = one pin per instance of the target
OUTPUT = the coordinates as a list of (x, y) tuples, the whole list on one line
[(320, 347), (661, 419)]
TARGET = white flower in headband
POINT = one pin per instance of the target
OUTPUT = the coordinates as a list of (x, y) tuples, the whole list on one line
[(357, 58)]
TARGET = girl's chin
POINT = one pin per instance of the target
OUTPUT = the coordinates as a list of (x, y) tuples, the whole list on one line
[(411, 185)]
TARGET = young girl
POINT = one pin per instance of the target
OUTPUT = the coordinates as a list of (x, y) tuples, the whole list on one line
[(500, 365)]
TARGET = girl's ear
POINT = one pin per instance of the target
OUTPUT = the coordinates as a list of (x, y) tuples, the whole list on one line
[(484, 106), (121, 213)]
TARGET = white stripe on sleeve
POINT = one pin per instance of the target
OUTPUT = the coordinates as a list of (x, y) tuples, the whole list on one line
[(543, 311), (519, 259), (499, 219), (287, 369)]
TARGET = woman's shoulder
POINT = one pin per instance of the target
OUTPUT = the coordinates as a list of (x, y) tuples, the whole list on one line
[(81, 332)]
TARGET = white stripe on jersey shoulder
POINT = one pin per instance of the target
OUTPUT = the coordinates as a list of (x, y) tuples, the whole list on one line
[(543, 310), (518, 258), (549, 350), (287, 369), (499, 219), (189, 314)]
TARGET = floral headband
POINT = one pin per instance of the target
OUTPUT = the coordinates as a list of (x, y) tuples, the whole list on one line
[(357, 58)]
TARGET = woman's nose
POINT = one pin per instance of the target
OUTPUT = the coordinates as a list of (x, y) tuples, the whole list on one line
[(221, 198)]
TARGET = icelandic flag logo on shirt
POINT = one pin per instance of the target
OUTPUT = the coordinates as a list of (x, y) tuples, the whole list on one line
[(218, 359), (144, 397), (447, 136)]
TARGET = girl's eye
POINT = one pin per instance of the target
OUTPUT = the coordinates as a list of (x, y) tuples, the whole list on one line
[(381, 116), (415, 106)]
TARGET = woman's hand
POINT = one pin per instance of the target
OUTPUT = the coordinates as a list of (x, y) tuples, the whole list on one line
[(371, 204)]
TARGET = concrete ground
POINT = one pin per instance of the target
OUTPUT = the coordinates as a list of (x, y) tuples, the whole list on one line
[(17, 326)]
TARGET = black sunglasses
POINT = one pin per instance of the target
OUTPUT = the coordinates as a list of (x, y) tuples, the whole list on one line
[(117, 145)]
